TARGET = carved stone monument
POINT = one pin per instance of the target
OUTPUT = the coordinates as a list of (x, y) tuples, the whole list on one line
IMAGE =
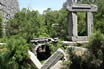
[(73, 7), (8, 9)]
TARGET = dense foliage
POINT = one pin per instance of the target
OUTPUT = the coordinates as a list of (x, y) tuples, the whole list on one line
[(14, 55), (96, 46), (99, 15), (93, 58), (99, 23), (25, 24), (30, 24)]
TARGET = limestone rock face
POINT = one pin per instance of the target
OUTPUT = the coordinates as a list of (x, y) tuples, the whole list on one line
[(8, 8)]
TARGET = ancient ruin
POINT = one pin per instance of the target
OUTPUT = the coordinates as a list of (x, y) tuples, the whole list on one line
[(40, 49), (73, 7), (50, 62), (8, 9)]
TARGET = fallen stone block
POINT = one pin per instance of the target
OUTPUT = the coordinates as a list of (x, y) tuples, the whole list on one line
[(58, 65), (34, 59), (53, 59)]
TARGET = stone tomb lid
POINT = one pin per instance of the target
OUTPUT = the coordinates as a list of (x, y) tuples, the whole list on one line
[(82, 8)]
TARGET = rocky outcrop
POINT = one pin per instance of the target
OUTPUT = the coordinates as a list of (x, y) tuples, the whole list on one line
[(8, 9)]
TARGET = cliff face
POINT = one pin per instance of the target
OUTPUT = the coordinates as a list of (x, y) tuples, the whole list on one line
[(8, 9)]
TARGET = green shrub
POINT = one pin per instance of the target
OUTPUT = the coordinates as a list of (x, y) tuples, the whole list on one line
[(18, 49), (96, 46), (54, 46), (96, 42), (14, 55), (94, 58), (25, 24)]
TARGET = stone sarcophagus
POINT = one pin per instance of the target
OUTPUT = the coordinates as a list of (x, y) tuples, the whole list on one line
[(73, 7)]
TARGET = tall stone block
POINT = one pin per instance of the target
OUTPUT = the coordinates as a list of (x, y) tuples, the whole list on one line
[(72, 24), (89, 22)]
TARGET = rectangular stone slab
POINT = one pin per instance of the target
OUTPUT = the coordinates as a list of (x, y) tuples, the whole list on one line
[(58, 65), (82, 8), (89, 23), (35, 60), (72, 20), (53, 59), (78, 38)]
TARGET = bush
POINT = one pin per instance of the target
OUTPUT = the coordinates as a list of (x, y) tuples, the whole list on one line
[(26, 24), (94, 58), (96, 42), (96, 46), (14, 55), (54, 46)]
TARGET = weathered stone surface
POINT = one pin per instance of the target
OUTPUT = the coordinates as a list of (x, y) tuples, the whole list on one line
[(35, 60), (37, 41), (53, 59), (58, 65), (79, 38), (72, 24), (73, 7), (89, 22), (8, 9), (39, 47), (68, 43), (82, 8)]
